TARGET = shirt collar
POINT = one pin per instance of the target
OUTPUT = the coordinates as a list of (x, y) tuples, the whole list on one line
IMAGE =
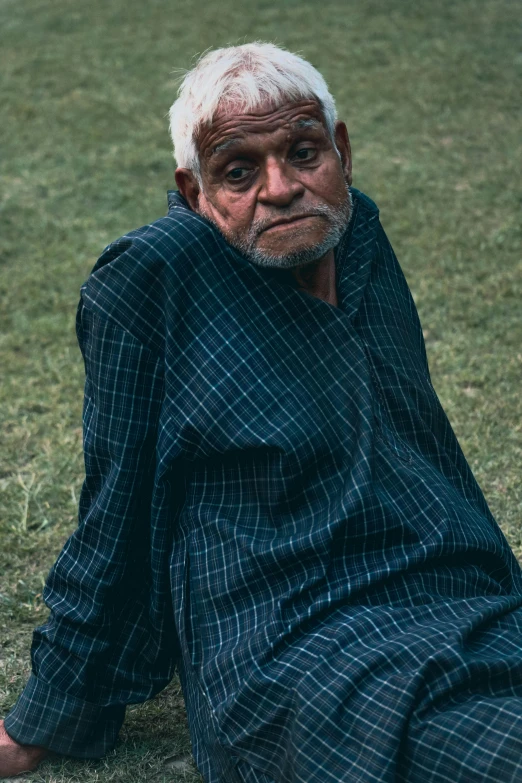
[(175, 199)]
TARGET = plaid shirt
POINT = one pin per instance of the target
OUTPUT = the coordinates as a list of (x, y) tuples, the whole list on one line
[(276, 503)]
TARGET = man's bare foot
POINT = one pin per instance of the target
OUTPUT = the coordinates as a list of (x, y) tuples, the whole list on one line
[(16, 758)]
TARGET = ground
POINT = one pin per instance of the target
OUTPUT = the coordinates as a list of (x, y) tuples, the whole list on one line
[(430, 95)]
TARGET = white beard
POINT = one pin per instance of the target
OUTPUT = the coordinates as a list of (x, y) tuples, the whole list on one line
[(338, 218)]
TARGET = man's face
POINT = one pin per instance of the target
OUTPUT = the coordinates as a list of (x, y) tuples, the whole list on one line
[(273, 182)]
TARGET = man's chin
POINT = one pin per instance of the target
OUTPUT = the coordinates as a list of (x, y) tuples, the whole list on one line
[(304, 253), (298, 257), (281, 259)]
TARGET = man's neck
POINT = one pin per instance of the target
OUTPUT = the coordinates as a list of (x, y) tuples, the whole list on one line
[(318, 278)]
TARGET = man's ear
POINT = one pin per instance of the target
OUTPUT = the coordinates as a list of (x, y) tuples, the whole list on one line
[(188, 187), (342, 142)]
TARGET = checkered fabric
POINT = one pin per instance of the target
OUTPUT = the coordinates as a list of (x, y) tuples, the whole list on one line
[(276, 503)]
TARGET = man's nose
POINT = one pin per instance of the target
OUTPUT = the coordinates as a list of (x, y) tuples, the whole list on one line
[(280, 187)]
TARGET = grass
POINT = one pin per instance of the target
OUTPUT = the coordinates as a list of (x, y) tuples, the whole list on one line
[(430, 94)]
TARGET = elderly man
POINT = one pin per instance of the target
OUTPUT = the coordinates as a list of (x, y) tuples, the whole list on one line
[(274, 500)]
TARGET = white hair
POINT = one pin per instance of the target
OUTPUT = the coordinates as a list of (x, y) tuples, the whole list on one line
[(243, 77)]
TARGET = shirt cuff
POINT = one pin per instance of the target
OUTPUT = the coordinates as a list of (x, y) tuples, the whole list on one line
[(62, 723)]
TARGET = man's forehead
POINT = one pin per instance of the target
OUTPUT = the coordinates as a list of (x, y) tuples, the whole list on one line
[(293, 127), (231, 127)]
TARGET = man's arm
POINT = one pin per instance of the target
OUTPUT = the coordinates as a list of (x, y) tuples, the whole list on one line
[(94, 655)]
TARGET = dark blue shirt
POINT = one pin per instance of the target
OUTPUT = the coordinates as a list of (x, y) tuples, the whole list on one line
[(276, 503)]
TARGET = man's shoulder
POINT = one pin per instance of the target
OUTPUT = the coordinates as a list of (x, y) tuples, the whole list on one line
[(166, 241), (143, 273)]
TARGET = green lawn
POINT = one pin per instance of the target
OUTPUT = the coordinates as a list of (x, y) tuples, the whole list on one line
[(431, 95)]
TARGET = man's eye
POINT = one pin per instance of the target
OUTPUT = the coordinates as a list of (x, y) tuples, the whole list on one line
[(237, 173), (306, 153)]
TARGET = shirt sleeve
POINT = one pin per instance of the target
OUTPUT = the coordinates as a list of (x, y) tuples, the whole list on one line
[(92, 657)]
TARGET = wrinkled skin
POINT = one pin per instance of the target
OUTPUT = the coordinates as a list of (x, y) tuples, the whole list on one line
[(16, 758), (273, 164)]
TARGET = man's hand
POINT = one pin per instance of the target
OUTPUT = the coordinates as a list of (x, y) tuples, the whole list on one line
[(16, 758)]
